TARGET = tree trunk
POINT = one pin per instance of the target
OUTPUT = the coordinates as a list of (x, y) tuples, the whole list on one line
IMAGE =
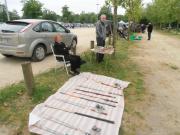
[(115, 25), (129, 30), (160, 25)]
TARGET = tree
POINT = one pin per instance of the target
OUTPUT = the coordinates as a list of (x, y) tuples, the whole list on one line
[(88, 17), (32, 9), (49, 15), (164, 12), (76, 18), (115, 4), (176, 12), (66, 14), (106, 9), (14, 15), (3, 16), (133, 9)]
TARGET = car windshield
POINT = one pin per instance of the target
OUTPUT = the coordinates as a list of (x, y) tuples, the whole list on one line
[(13, 26)]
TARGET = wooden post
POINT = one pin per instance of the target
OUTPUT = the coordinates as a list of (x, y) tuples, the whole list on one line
[(92, 47), (92, 44), (28, 77)]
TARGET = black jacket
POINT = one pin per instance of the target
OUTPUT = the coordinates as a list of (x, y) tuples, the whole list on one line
[(61, 49), (150, 28)]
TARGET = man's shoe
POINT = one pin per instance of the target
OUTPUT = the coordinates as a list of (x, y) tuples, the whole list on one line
[(83, 62), (77, 72)]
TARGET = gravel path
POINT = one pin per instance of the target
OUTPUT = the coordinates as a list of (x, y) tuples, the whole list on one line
[(159, 60)]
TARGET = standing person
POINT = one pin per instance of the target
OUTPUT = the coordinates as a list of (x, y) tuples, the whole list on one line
[(61, 49), (149, 29), (100, 36), (143, 27)]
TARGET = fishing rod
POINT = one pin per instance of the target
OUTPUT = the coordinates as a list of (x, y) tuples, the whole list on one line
[(48, 130), (100, 90), (77, 104), (83, 107), (81, 114), (96, 97), (95, 93), (87, 99), (62, 124), (116, 85)]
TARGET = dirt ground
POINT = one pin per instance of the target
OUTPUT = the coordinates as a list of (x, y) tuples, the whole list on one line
[(159, 60), (10, 68)]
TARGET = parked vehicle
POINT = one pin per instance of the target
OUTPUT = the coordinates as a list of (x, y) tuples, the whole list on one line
[(123, 30), (32, 38)]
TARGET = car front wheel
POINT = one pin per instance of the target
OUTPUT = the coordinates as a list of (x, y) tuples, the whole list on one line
[(39, 53)]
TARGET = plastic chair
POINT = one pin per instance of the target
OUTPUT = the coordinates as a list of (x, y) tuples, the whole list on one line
[(65, 63)]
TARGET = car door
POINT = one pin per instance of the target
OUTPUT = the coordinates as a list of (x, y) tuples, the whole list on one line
[(67, 37), (48, 31)]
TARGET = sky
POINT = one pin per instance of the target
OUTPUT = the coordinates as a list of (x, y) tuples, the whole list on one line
[(77, 6)]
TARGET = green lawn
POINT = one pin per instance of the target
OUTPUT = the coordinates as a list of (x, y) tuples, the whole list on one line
[(15, 104)]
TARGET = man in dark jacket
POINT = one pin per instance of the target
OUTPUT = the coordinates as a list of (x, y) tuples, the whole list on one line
[(61, 49), (149, 29), (100, 36)]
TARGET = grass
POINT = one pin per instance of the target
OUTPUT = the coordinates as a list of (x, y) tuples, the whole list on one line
[(170, 33), (15, 104)]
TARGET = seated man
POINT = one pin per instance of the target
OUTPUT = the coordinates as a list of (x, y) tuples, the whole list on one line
[(61, 49)]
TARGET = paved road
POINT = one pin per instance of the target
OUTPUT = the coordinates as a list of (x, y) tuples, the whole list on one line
[(10, 68)]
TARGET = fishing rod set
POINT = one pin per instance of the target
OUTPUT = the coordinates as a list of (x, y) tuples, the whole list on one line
[(104, 95), (81, 114), (108, 97), (96, 97), (94, 129), (98, 108), (88, 99), (90, 88), (86, 107), (49, 118), (116, 85)]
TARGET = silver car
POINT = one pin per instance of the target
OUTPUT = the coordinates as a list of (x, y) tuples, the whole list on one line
[(32, 38)]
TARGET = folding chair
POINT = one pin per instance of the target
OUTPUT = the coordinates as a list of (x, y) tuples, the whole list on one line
[(65, 63)]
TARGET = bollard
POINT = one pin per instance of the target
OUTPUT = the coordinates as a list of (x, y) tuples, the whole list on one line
[(92, 47), (92, 44), (28, 77)]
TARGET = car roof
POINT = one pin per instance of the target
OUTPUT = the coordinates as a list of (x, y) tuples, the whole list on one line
[(31, 20)]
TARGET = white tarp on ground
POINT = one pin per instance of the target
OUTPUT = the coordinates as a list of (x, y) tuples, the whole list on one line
[(61, 113)]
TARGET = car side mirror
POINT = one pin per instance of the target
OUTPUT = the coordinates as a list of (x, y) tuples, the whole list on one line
[(68, 31)]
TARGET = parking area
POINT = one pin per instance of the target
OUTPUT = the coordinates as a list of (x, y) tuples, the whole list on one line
[(10, 68)]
